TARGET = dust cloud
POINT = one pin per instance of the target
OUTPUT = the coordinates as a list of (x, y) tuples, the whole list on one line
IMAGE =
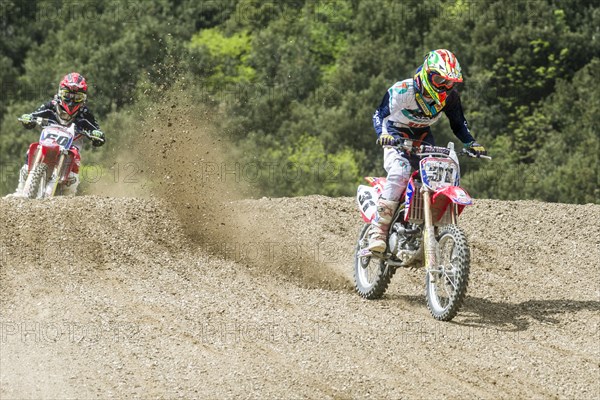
[(190, 165)]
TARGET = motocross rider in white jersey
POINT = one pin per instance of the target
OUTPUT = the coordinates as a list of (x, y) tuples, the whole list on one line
[(408, 110), (67, 107)]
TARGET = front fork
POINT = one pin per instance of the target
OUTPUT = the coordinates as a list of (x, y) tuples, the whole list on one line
[(36, 162), (57, 173), (432, 249), (431, 245)]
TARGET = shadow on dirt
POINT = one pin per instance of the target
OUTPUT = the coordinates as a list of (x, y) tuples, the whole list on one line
[(510, 317), (504, 315)]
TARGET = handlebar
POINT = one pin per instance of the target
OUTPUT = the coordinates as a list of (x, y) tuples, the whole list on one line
[(427, 150), (43, 122), (38, 121)]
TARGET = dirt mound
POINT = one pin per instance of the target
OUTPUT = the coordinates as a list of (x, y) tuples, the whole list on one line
[(106, 298)]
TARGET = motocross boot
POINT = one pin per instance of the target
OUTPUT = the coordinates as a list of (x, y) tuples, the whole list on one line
[(70, 188), (381, 225), (22, 178)]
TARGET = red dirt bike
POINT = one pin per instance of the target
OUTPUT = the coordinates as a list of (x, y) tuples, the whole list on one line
[(51, 159), (423, 232)]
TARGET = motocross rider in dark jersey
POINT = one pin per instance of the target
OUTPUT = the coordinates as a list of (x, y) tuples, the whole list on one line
[(67, 107)]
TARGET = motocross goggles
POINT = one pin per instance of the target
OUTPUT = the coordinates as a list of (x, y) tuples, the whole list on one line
[(69, 96), (440, 83)]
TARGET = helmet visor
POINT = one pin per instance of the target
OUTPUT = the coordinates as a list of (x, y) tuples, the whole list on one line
[(69, 96)]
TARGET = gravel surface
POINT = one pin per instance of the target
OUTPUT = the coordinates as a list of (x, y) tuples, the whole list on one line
[(104, 297), (184, 290)]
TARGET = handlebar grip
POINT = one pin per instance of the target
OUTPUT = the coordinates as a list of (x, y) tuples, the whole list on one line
[(464, 152), (37, 120), (88, 135)]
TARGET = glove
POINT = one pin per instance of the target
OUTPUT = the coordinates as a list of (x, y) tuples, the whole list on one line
[(97, 138), (385, 139), (475, 149), (27, 119)]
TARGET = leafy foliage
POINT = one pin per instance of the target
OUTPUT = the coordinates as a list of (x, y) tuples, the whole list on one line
[(296, 83)]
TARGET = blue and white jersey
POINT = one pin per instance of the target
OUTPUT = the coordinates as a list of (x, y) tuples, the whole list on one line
[(399, 111)]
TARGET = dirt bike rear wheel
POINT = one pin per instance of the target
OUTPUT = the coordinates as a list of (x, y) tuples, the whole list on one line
[(38, 182), (446, 284), (371, 277)]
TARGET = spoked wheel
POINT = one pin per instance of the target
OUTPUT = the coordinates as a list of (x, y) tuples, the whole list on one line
[(371, 277), (446, 283), (38, 182)]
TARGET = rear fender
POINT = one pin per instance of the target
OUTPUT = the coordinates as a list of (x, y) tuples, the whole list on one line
[(366, 198), (376, 183)]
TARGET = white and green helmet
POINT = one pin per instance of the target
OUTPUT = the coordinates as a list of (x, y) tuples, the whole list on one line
[(438, 74)]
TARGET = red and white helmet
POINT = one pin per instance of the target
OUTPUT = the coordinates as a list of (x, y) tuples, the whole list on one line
[(72, 94)]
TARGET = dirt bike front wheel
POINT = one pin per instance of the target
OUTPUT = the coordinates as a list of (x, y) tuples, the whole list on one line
[(446, 283), (38, 182), (371, 276)]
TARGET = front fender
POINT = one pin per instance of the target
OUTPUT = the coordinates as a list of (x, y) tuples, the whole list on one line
[(455, 194), (50, 153), (445, 196), (31, 155)]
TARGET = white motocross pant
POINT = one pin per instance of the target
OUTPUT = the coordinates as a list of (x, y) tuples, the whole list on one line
[(399, 171)]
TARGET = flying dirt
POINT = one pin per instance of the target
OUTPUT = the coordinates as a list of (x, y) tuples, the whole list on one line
[(189, 289)]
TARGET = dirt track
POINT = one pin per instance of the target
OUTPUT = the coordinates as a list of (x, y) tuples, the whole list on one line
[(137, 309)]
